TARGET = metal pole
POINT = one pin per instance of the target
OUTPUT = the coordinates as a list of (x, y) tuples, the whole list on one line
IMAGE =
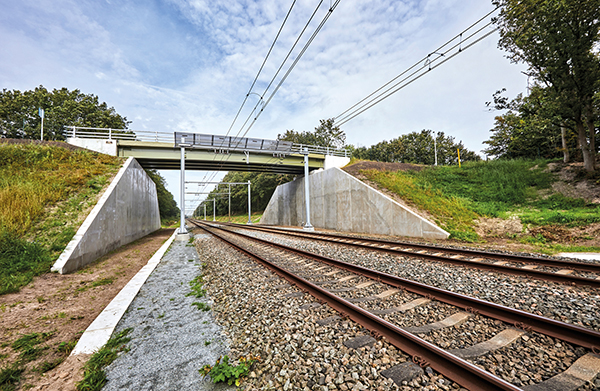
[(182, 229), (435, 149), (249, 205), (214, 209), (204, 212), (42, 129), (307, 226), (229, 189)]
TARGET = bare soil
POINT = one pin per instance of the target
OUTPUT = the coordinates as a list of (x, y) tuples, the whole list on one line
[(503, 234), (64, 306)]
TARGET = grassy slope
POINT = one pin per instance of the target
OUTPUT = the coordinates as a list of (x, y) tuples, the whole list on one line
[(456, 197), (43, 192)]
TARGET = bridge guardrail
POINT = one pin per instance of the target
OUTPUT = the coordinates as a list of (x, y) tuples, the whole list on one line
[(204, 141)]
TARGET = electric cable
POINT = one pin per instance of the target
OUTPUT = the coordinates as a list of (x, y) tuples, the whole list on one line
[(426, 62)]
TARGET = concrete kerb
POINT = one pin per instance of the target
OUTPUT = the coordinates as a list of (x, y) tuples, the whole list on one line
[(99, 332)]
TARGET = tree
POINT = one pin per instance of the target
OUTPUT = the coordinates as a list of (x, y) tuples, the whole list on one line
[(530, 128), (166, 203), (417, 148), (556, 39), (19, 113), (325, 135)]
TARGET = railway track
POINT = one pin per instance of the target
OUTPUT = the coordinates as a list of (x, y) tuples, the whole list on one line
[(378, 301), (561, 271)]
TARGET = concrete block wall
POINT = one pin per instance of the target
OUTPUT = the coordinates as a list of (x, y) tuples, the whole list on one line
[(341, 202), (127, 211)]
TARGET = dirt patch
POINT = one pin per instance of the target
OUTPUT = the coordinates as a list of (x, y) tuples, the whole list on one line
[(63, 306), (497, 227), (355, 168), (572, 182)]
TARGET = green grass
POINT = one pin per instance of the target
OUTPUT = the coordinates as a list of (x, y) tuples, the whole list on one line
[(239, 219), (9, 377), (43, 191), (94, 377), (456, 197)]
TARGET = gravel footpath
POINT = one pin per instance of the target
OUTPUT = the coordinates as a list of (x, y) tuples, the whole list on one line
[(171, 339)]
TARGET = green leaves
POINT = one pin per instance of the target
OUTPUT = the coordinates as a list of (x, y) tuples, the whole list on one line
[(19, 113), (222, 371)]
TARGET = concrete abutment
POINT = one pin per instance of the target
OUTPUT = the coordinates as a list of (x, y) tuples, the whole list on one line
[(343, 203)]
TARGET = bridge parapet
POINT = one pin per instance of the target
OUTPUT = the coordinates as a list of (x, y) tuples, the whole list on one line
[(217, 143)]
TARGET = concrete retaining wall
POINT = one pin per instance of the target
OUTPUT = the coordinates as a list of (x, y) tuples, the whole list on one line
[(127, 211), (343, 203)]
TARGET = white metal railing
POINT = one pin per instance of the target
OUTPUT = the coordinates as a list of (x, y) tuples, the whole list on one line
[(166, 137)]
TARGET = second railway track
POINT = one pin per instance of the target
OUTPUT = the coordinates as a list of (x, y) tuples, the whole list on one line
[(377, 300)]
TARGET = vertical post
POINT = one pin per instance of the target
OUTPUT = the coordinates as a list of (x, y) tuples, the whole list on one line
[(458, 151), (74, 132), (435, 148), (229, 191), (307, 226), (204, 212), (110, 133), (182, 229), (214, 209), (41, 113), (249, 205)]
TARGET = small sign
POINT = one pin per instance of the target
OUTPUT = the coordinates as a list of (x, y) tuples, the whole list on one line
[(41, 112)]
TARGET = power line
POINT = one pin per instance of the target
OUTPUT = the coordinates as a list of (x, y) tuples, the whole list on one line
[(308, 43), (296, 60), (262, 66), (426, 63)]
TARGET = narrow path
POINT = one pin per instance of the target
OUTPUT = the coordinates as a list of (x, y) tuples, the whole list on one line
[(171, 339)]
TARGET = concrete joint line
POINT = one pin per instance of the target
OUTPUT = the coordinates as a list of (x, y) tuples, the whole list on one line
[(99, 332)]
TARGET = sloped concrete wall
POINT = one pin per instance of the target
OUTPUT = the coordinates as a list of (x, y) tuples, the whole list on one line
[(343, 203), (127, 211)]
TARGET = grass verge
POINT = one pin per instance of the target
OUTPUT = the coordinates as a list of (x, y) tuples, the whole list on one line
[(94, 377), (457, 197)]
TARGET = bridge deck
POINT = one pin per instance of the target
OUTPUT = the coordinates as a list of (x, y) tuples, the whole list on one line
[(164, 156)]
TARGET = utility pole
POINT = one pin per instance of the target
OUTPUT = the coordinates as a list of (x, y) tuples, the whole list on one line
[(214, 209)]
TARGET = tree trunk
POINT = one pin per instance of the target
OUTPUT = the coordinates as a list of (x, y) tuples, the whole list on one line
[(565, 146), (588, 158), (589, 121)]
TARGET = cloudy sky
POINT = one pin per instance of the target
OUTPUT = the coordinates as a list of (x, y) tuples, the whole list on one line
[(172, 65)]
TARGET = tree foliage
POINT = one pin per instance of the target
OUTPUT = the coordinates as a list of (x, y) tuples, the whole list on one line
[(558, 40), (19, 113), (324, 135), (530, 128), (417, 148), (166, 203)]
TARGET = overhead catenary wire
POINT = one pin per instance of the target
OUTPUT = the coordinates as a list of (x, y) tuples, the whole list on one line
[(262, 66), (382, 97), (296, 60), (426, 62)]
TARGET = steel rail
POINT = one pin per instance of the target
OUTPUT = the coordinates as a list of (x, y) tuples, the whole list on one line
[(517, 271), (567, 332), (422, 352)]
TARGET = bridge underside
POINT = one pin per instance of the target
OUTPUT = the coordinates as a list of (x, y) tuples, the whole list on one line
[(162, 156)]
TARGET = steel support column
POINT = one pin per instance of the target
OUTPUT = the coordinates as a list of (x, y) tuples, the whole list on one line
[(182, 229), (308, 226), (249, 205)]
